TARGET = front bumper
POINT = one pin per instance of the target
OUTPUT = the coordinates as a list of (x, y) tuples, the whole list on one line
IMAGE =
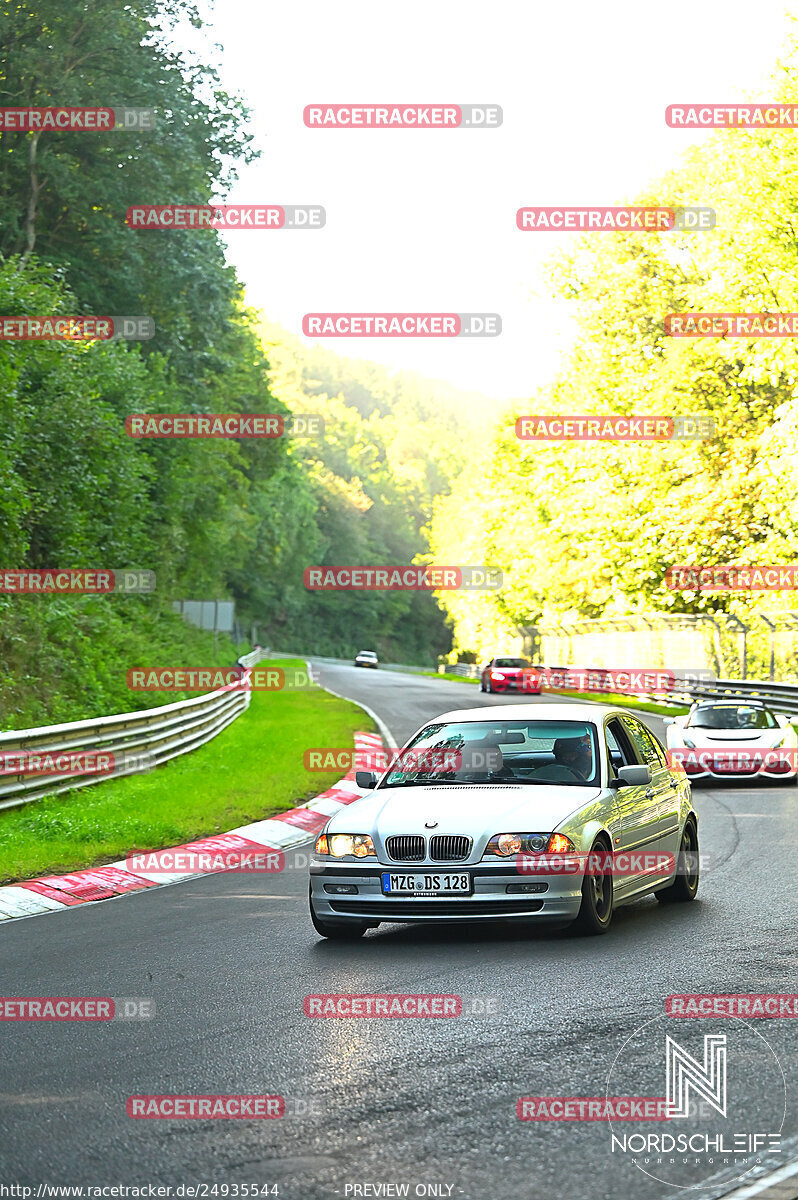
[(513, 685), (554, 898), (701, 764)]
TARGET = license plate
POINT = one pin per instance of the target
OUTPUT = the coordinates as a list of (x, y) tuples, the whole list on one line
[(736, 764), (433, 884)]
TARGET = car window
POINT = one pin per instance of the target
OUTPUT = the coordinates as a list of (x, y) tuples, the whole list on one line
[(520, 751), (644, 744), (621, 751), (731, 716), (511, 662), (660, 754)]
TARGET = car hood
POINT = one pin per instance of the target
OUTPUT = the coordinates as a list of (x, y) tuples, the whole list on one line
[(720, 738), (478, 811)]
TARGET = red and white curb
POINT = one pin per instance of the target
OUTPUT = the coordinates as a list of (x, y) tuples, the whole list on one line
[(280, 832)]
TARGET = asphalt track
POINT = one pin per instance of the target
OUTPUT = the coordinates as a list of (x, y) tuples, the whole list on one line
[(227, 960)]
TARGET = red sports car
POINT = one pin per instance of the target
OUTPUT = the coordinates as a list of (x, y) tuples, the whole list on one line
[(510, 675)]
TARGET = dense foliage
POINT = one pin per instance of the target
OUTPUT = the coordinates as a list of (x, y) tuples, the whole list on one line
[(213, 517), (589, 529)]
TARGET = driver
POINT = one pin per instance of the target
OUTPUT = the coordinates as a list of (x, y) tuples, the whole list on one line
[(574, 755)]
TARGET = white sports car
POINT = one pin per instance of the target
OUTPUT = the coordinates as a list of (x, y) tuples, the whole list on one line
[(727, 739), (485, 813)]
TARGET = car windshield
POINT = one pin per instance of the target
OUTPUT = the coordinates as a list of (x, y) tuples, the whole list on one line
[(367, 654), (499, 751), (732, 716), (510, 662)]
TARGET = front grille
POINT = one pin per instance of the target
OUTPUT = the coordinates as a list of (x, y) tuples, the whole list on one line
[(434, 908), (405, 849), (449, 847)]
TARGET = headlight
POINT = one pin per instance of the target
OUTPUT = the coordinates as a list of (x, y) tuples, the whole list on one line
[(780, 742), (340, 844), (687, 741), (505, 844), (496, 675)]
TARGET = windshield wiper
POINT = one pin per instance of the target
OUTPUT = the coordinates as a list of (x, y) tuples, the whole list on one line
[(424, 781)]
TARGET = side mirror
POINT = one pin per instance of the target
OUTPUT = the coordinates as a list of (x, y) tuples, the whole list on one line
[(782, 719), (634, 776), (668, 720), (365, 779)]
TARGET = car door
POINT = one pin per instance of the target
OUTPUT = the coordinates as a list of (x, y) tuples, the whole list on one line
[(672, 796), (636, 806), (664, 783)]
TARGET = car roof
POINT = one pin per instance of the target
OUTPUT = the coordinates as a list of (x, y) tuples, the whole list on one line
[(562, 711), (729, 700)]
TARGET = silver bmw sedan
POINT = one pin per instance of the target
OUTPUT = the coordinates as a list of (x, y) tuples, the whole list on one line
[(557, 813)]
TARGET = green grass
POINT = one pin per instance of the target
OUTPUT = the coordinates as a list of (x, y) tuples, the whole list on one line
[(447, 675), (618, 701), (253, 769)]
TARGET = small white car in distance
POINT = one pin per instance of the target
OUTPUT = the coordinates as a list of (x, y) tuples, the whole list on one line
[(734, 739), (366, 658), (465, 824)]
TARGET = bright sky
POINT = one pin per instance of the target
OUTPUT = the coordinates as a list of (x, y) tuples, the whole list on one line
[(424, 220)]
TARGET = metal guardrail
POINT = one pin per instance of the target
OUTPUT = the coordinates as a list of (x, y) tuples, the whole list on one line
[(687, 688), (138, 741)]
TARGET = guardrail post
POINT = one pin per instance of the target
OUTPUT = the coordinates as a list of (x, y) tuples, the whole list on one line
[(772, 639), (745, 629)]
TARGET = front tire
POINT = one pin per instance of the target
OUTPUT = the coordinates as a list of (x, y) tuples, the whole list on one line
[(598, 900), (337, 930), (685, 885)]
